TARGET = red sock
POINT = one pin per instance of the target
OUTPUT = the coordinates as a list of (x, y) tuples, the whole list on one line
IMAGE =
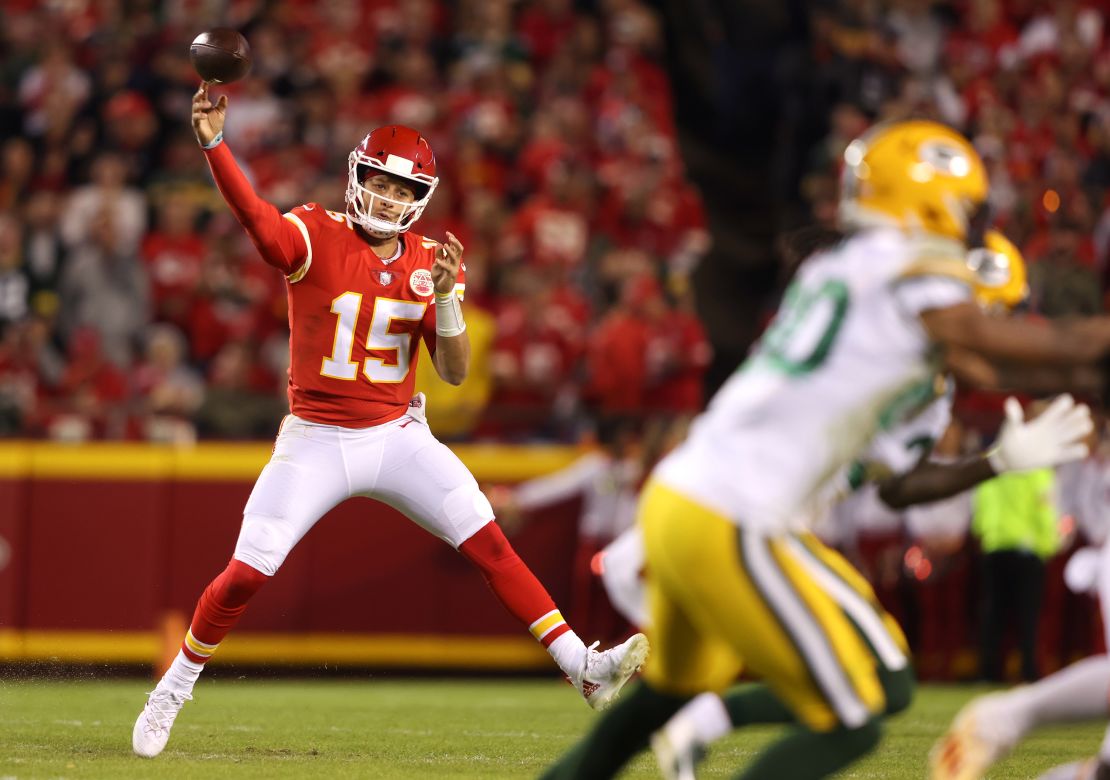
[(219, 608), (514, 584)]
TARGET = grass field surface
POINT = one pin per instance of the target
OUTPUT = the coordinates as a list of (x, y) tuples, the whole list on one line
[(398, 728)]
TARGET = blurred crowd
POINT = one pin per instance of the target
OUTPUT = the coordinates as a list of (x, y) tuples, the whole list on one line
[(133, 306), (1027, 80)]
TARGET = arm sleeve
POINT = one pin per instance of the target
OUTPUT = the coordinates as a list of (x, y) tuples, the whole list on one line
[(279, 241), (560, 485), (428, 329)]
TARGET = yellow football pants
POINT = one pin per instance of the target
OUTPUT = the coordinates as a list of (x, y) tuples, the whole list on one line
[(787, 608)]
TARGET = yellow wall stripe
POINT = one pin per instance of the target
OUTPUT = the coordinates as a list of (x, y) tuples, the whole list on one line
[(383, 650), (235, 462)]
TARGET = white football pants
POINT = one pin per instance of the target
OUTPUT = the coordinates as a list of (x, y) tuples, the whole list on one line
[(315, 467)]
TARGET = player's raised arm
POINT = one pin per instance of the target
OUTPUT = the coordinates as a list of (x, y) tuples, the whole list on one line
[(278, 241), (452, 354)]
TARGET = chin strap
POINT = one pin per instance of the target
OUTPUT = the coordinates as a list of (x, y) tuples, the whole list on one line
[(449, 319)]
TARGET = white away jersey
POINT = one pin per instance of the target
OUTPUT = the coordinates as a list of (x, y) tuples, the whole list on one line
[(851, 502), (899, 449), (845, 357)]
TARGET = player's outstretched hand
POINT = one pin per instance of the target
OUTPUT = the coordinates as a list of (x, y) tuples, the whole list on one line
[(1055, 436), (445, 270), (208, 119)]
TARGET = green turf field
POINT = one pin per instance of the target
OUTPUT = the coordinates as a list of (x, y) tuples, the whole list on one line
[(391, 728)]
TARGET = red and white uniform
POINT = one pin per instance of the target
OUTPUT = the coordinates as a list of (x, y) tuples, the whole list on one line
[(355, 322), (355, 319)]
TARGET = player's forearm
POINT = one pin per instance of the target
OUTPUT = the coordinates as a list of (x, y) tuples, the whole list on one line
[(978, 371), (1018, 339), (278, 241), (931, 481), (452, 358), (1045, 380), (1077, 342)]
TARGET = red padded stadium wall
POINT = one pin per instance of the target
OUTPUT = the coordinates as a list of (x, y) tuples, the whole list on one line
[(12, 557), (107, 541)]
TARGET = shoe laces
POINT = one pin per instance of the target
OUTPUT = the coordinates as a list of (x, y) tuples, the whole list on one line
[(163, 706), (591, 653)]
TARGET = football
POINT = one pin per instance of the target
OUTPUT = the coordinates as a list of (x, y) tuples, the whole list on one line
[(221, 55)]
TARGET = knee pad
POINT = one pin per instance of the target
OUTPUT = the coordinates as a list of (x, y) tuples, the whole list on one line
[(467, 511), (263, 543)]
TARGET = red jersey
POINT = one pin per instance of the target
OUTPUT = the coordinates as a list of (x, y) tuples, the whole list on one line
[(355, 319)]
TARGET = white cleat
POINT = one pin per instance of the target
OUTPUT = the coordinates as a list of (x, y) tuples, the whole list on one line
[(983, 732), (1076, 770), (677, 750), (152, 729), (605, 673)]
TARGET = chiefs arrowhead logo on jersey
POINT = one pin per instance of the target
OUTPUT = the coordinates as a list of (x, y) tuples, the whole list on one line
[(421, 282), (385, 277)]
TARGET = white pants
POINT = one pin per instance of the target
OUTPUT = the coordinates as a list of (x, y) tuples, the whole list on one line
[(315, 467)]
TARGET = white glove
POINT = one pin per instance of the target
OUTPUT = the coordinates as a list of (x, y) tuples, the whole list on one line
[(1081, 573), (1055, 437)]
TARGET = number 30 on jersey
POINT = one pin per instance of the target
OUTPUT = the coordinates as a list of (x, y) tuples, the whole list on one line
[(379, 338), (807, 325)]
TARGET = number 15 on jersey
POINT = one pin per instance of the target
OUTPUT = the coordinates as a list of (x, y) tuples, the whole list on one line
[(347, 308)]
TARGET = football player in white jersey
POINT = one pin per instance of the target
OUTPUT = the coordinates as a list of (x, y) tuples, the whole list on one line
[(734, 581), (898, 463), (991, 726)]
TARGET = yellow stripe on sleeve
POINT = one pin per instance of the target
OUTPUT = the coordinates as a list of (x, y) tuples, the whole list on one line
[(551, 620), (198, 647)]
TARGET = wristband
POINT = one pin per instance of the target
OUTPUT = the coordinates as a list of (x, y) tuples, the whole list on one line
[(214, 142), (449, 319)]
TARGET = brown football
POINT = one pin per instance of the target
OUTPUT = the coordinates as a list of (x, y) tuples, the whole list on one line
[(221, 55)]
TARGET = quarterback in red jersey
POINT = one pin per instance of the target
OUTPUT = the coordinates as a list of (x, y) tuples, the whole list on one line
[(362, 291)]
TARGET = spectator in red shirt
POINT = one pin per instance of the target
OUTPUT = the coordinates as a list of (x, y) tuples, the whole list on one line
[(174, 255), (533, 360), (553, 226), (680, 354), (92, 402), (618, 356)]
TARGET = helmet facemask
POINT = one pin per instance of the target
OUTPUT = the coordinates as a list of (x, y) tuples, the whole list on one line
[(362, 201), (999, 273)]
